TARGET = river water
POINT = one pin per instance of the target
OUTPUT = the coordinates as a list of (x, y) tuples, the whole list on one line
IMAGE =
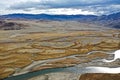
[(76, 69)]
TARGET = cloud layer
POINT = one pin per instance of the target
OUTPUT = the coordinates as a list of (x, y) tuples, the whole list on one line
[(66, 6)]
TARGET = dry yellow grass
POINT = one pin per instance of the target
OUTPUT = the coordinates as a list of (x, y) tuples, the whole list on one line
[(20, 51)]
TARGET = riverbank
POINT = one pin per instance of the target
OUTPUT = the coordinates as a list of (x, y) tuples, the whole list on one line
[(79, 69)]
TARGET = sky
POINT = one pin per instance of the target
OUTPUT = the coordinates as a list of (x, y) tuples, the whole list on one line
[(67, 7)]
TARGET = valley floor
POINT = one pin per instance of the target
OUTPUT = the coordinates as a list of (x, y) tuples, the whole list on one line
[(43, 45)]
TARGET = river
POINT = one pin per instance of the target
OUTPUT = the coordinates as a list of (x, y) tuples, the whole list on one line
[(75, 69)]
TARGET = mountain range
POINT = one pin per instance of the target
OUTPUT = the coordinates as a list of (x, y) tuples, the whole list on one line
[(112, 20)]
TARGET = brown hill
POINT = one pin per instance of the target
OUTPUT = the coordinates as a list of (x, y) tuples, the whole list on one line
[(100, 76), (10, 25)]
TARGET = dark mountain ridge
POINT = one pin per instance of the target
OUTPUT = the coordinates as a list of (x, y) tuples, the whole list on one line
[(47, 16), (112, 20)]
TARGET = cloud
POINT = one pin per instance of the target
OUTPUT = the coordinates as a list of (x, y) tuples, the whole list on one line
[(103, 9), (45, 4), (62, 6)]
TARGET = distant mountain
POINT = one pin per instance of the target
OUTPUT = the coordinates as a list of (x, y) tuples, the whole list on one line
[(115, 16), (48, 17), (112, 20)]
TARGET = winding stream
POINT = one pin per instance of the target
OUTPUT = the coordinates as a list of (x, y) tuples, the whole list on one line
[(76, 69)]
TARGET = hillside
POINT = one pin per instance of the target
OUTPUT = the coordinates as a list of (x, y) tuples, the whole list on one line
[(4, 25), (112, 20)]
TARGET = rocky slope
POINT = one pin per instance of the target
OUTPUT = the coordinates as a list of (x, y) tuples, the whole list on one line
[(97, 76)]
